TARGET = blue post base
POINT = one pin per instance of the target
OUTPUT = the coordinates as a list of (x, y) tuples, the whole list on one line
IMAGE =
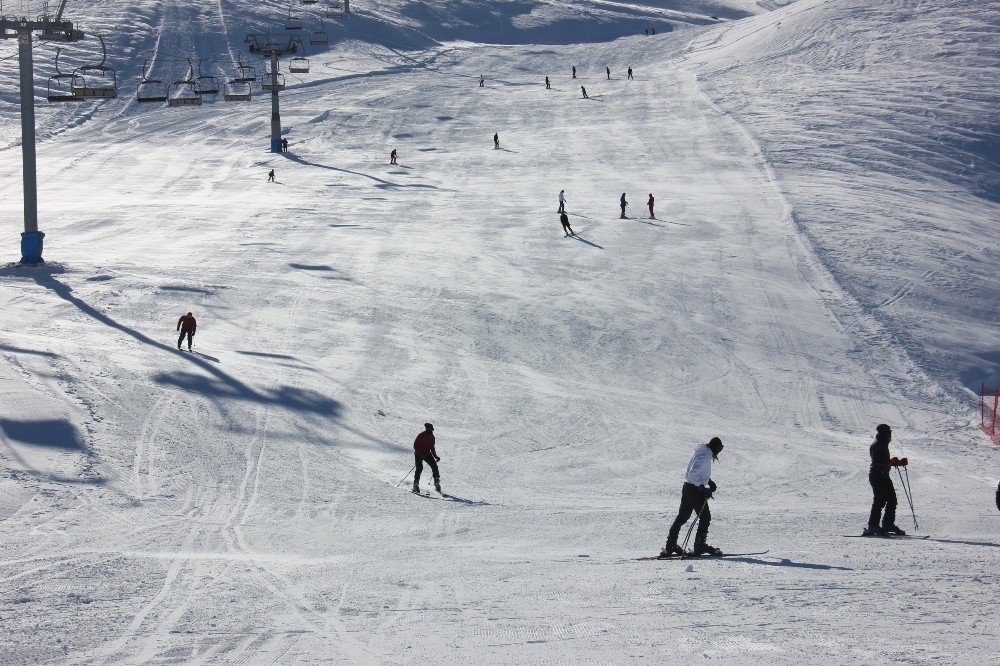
[(275, 145), (31, 247)]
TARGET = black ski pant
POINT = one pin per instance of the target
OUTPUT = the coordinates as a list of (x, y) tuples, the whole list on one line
[(885, 498), (422, 458), (693, 500), (562, 207), (189, 334)]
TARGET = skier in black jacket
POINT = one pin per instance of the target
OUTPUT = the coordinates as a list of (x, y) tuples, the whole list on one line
[(882, 488)]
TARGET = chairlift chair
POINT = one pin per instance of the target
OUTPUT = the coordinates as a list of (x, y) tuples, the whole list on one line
[(309, 2), (185, 91), (244, 73), (96, 81), (150, 90), (205, 84), (267, 83), (319, 38), (60, 86), (299, 65), (292, 22), (237, 91)]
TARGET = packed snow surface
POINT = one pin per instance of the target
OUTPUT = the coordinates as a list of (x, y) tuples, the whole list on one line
[(823, 258)]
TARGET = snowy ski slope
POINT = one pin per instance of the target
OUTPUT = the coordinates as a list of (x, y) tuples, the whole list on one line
[(806, 278)]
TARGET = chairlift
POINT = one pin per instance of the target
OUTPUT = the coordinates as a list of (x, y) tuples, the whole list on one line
[(309, 2), (185, 91), (60, 86), (237, 91), (298, 65), (292, 22), (319, 38), (150, 90), (96, 81), (244, 73), (205, 84), (268, 82)]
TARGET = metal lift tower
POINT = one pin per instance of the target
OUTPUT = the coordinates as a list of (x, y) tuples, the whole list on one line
[(273, 48), (22, 29)]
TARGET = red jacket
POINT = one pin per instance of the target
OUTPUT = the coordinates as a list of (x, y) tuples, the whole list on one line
[(186, 323), (424, 443)]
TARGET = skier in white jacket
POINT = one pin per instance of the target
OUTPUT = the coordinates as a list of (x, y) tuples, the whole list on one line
[(562, 201), (698, 488)]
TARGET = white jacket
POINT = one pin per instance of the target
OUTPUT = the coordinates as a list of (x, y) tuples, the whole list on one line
[(561, 197), (699, 471)]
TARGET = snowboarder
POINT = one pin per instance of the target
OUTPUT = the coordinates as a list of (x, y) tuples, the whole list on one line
[(630, 74), (562, 201), (882, 488), (650, 204), (695, 493), (187, 325), (423, 452), (548, 86), (284, 145), (609, 72), (496, 141), (574, 71), (623, 203), (270, 176), (482, 81), (568, 230), (392, 156), (584, 91)]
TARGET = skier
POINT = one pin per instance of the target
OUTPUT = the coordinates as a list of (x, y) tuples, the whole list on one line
[(882, 488), (423, 452), (650, 204), (187, 325), (630, 74), (695, 493), (562, 201), (654, 30), (623, 204), (496, 141), (584, 90), (548, 86), (609, 72), (270, 176), (574, 71), (568, 230), (392, 157), (482, 81), (284, 145), (998, 496)]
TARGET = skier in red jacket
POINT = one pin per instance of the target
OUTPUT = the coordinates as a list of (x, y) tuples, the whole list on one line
[(423, 452), (187, 325)]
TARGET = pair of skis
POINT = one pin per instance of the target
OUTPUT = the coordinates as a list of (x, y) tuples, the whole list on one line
[(692, 556)]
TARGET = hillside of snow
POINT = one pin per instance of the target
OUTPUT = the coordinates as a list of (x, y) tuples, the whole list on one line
[(820, 261)]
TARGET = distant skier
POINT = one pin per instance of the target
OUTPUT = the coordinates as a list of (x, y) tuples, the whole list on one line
[(695, 493), (574, 71), (482, 81), (623, 203), (998, 496), (654, 30), (392, 157), (187, 325), (562, 201), (423, 452), (284, 145), (882, 488), (584, 91), (270, 176), (548, 86), (647, 32), (496, 141), (630, 74), (609, 72), (650, 204), (568, 230)]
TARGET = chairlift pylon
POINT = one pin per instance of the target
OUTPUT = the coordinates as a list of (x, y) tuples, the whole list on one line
[(150, 90), (184, 92), (96, 81), (205, 84), (60, 85)]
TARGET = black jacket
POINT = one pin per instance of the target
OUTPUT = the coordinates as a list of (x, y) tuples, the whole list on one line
[(879, 451)]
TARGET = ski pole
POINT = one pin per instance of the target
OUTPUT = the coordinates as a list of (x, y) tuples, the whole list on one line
[(687, 537), (407, 474), (909, 497), (906, 491)]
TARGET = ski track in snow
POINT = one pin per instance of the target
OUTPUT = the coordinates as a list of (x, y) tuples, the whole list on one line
[(239, 503)]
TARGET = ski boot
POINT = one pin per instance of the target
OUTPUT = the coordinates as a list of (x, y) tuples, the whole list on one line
[(416, 487), (705, 549), (437, 485), (672, 550), (871, 532), (893, 530)]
